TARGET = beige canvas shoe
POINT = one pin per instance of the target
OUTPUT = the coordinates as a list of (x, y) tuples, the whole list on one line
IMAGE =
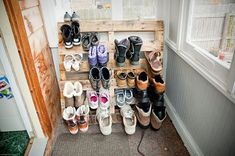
[(129, 119), (105, 121)]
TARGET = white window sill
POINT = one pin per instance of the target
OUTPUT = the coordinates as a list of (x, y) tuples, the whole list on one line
[(219, 86)]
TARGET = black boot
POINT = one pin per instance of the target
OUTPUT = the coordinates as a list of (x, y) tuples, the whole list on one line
[(134, 52), (121, 49), (76, 33), (67, 35), (142, 97)]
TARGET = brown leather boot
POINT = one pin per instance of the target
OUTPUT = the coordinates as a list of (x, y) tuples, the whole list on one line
[(158, 83), (143, 117), (142, 81), (156, 122)]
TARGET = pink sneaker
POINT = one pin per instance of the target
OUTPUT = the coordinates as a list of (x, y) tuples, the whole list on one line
[(104, 99), (92, 99)]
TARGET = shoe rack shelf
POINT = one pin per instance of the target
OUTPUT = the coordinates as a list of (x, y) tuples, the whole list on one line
[(110, 28)]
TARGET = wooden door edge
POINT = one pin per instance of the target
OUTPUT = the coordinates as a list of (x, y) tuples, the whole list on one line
[(17, 25)]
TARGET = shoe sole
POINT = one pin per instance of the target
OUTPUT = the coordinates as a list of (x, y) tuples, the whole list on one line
[(76, 43), (67, 19), (135, 63), (154, 129), (68, 47), (142, 126), (120, 64)]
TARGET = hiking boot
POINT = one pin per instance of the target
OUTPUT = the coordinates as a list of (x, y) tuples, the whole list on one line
[(143, 117), (134, 52), (69, 114), (105, 77), (94, 77), (76, 33), (158, 84), (68, 93), (121, 49), (93, 100), (67, 17), (142, 81), (92, 57), (82, 116), (131, 79), (121, 78), (105, 121), (158, 115), (102, 55), (79, 99), (86, 41), (129, 119), (75, 17), (67, 35), (94, 39)]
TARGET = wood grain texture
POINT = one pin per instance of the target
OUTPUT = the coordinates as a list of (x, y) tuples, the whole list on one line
[(25, 4), (20, 35)]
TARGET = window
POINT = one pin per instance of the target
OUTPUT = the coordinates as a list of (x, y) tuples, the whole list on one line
[(202, 32), (213, 28)]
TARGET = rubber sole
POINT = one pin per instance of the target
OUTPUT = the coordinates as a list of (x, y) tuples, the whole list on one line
[(154, 129), (120, 64), (142, 126), (135, 63)]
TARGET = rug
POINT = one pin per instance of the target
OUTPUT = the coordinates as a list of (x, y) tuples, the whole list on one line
[(115, 144)]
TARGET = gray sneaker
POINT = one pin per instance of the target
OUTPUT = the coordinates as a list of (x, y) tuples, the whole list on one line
[(75, 17), (67, 17), (120, 98)]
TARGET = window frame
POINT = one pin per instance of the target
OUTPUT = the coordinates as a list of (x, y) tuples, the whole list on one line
[(215, 71)]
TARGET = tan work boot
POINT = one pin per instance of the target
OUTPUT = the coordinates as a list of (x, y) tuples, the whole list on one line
[(143, 117), (142, 81)]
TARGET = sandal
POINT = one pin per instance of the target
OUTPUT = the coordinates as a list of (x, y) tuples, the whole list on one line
[(154, 59), (68, 62), (77, 60)]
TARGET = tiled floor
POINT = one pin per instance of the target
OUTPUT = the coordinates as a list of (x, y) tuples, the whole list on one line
[(165, 142), (13, 143)]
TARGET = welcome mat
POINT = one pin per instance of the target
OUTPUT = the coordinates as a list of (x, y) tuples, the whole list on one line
[(115, 144)]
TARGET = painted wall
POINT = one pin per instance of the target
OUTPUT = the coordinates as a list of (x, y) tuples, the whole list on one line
[(10, 119), (42, 56)]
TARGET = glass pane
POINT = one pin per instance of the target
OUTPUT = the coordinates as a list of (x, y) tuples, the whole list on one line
[(213, 28), (92, 9)]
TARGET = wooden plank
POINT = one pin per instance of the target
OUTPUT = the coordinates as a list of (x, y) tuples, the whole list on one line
[(18, 29), (147, 46), (32, 20), (24, 4), (121, 26)]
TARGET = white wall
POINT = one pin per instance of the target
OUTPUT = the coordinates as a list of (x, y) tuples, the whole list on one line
[(10, 119)]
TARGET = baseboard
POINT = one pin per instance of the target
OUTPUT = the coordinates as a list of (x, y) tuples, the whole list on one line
[(188, 140)]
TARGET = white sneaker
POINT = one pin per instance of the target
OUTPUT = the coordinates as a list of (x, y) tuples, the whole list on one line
[(129, 119), (77, 60), (105, 121), (68, 93), (93, 100), (104, 99), (68, 62)]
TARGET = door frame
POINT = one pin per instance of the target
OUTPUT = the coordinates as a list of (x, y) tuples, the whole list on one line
[(17, 25), (15, 90)]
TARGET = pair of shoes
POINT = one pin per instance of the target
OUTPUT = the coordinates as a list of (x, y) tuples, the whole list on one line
[(102, 99), (68, 18), (129, 48), (129, 119), (125, 78), (98, 55), (103, 115), (71, 34), (96, 76), (72, 61), (89, 39), (155, 61), (124, 97), (77, 119), (73, 94)]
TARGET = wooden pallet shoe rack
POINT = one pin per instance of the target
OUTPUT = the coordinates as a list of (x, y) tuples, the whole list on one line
[(108, 29)]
